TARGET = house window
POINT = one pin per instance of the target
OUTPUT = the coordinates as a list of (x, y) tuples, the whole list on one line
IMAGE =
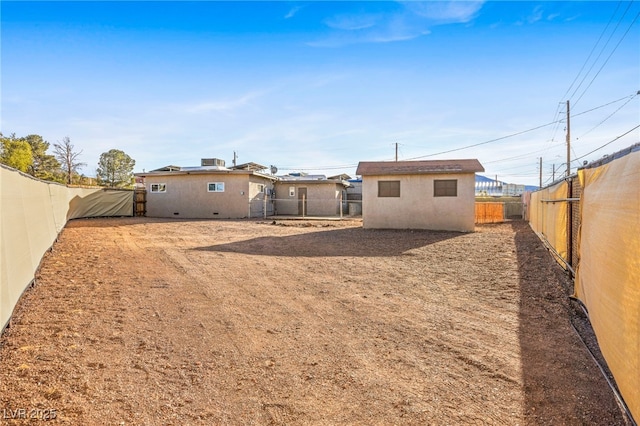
[(260, 187), (388, 188), (215, 187), (292, 191), (158, 187), (445, 188)]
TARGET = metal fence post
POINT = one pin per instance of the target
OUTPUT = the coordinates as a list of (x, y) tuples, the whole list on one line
[(264, 206)]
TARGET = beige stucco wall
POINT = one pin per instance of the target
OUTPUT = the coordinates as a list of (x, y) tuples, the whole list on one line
[(323, 198), (187, 196), (417, 208), (258, 197)]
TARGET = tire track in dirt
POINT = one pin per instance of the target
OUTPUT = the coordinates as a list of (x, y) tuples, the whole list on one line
[(236, 322)]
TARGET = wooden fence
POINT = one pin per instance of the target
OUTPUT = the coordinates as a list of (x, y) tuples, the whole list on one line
[(498, 211), (140, 201)]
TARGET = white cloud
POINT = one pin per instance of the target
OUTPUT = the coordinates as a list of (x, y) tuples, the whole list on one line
[(536, 15), (293, 11), (353, 22), (446, 11), (407, 21), (224, 105)]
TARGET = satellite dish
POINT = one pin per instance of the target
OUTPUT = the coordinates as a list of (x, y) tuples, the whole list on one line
[(274, 170)]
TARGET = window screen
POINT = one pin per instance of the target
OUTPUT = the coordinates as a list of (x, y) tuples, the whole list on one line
[(215, 187), (158, 187), (388, 188), (445, 188)]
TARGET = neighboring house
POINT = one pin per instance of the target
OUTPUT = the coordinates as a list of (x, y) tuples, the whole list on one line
[(436, 194), (354, 196), (208, 191), (310, 195)]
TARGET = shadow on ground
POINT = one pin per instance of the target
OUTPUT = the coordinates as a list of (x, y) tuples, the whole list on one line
[(336, 242), (552, 354)]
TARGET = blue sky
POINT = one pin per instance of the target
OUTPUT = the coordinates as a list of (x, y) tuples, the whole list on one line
[(319, 86)]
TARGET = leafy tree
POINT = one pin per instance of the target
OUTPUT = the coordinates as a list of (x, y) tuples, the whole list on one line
[(15, 152), (68, 158), (44, 166), (115, 169)]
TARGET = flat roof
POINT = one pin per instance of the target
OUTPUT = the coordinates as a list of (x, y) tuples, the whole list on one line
[(372, 168), (212, 170)]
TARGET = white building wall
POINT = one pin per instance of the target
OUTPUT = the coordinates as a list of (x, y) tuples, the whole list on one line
[(417, 208)]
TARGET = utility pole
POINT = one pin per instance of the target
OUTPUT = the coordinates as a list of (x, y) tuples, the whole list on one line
[(568, 141), (569, 193), (553, 176), (540, 172), (396, 151)]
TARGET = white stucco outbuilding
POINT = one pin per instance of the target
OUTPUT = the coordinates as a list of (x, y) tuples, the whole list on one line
[(434, 194)]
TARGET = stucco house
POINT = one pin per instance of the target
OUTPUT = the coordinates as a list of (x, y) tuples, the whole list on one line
[(208, 191), (310, 195), (434, 194)]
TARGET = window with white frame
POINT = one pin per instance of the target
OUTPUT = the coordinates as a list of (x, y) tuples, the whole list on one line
[(215, 187), (158, 187), (292, 191)]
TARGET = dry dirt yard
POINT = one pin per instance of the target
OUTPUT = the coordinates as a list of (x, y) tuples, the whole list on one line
[(159, 322)]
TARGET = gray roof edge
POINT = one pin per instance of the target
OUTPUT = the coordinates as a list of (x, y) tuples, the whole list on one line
[(379, 168), (206, 172)]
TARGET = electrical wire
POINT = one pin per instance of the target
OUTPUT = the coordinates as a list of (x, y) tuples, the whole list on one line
[(515, 157), (599, 55), (609, 57), (590, 53), (347, 166), (558, 111), (484, 143), (609, 116), (606, 144), (607, 104), (519, 133)]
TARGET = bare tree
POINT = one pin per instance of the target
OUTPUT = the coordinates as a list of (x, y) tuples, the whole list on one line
[(68, 158)]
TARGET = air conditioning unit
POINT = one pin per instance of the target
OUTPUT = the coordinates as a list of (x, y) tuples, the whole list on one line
[(212, 162)]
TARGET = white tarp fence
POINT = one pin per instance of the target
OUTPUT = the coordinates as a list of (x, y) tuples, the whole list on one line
[(32, 214)]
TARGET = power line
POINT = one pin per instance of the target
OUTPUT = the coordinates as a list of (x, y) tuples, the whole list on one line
[(515, 157), (590, 54), (609, 116), (515, 134), (609, 57), (608, 143), (347, 166), (484, 143), (607, 104), (601, 51)]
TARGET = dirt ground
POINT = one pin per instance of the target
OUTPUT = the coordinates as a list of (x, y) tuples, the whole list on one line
[(159, 322)]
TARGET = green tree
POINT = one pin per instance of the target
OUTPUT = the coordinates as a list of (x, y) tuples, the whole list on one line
[(44, 166), (69, 159), (15, 153), (115, 169)]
